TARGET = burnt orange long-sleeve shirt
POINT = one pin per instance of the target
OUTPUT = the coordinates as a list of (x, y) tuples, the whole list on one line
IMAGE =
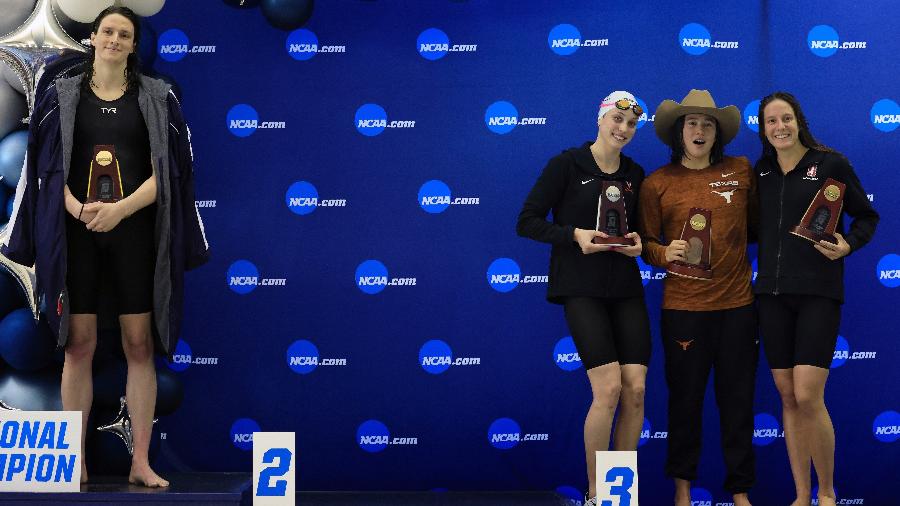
[(728, 189)]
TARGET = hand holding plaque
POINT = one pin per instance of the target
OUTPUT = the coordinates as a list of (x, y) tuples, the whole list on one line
[(696, 233), (611, 217), (104, 179), (821, 217)]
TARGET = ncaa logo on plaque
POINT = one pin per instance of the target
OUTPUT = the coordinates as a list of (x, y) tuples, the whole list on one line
[(504, 433), (242, 433), (503, 274), (564, 39), (302, 357), (302, 44), (434, 196), (372, 436), (565, 355), (501, 117), (301, 198), (886, 427), (370, 119), (242, 277), (885, 115), (242, 120), (172, 45), (751, 116), (432, 44), (435, 356), (371, 277)]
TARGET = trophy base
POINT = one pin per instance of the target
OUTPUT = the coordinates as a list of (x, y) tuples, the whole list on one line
[(812, 235), (692, 271), (614, 241)]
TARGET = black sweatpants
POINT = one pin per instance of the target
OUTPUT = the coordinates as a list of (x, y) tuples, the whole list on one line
[(694, 342)]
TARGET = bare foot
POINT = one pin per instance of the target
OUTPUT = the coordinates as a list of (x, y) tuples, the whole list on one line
[(741, 500), (145, 477), (825, 500)]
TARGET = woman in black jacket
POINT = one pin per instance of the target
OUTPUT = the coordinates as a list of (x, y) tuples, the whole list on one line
[(800, 284), (598, 284)]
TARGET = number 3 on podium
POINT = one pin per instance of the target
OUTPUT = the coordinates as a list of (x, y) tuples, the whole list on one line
[(273, 468), (617, 479)]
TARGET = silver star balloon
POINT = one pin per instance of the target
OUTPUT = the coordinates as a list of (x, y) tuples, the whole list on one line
[(39, 40), (121, 426), (7, 407)]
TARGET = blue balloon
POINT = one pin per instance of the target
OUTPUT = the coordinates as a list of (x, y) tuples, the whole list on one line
[(11, 295), (169, 391), (287, 14), (26, 345), (12, 156), (32, 391)]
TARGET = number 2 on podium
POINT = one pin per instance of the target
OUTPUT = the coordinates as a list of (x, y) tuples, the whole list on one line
[(265, 476)]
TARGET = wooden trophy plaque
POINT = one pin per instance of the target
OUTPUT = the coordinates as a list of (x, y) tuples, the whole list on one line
[(820, 219), (104, 180), (696, 232), (611, 217)]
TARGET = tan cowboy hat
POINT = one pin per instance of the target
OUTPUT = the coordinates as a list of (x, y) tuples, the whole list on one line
[(697, 102)]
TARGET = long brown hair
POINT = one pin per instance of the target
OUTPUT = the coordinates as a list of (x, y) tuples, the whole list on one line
[(132, 65), (806, 137)]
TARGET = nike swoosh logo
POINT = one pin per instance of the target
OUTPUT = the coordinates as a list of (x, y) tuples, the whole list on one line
[(588, 181), (726, 175), (765, 173)]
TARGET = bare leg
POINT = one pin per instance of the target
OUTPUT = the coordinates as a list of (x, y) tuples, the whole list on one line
[(809, 386), (606, 384), (77, 385), (682, 492), (794, 436), (631, 407), (741, 499), (140, 391)]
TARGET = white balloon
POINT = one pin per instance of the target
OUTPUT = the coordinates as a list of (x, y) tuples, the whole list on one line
[(144, 7), (83, 11), (14, 13), (13, 109), (10, 77)]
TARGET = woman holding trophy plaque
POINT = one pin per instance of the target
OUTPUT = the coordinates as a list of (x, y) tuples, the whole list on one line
[(694, 216), (804, 189), (592, 191), (105, 212)]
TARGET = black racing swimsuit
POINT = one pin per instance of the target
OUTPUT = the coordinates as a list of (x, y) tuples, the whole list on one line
[(123, 259)]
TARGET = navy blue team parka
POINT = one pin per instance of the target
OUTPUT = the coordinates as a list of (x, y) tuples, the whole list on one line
[(38, 234)]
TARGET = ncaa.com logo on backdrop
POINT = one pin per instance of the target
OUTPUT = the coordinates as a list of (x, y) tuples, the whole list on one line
[(695, 40), (842, 353), (303, 358), (243, 277), (823, 41), (647, 433), (565, 39), (434, 197), (372, 277), (173, 45), (886, 427), (183, 358), (647, 274), (885, 115), (565, 355), (435, 357), (505, 433), (888, 270), (302, 45), (433, 44), (302, 198), (504, 274), (751, 116), (242, 120), (371, 119), (766, 429), (502, 117), (242, 433), (373, 436)]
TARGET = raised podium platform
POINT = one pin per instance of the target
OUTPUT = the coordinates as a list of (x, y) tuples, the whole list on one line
[(190, 488)]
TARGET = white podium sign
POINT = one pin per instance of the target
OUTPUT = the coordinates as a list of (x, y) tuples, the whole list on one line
[(273, 468), (40, 451), (617, 479)]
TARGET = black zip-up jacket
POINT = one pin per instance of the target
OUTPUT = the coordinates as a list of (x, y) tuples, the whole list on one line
[(790, 264), (570, 186)]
